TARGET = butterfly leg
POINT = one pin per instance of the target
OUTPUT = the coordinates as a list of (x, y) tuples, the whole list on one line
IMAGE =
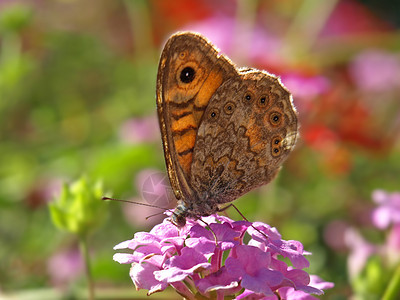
[(213, 233), (234, 206), (244, 218)]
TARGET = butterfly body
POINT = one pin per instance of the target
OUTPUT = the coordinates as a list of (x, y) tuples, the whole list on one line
[(225, 130)]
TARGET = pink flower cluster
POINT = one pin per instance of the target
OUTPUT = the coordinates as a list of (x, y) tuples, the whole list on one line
[(386, 217), (217, 263), (388, 211)]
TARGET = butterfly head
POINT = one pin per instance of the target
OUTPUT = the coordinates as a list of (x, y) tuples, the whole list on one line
[(179, 215)]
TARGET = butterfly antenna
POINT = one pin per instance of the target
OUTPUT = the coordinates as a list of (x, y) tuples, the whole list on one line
[(134, 202), (153, 215)]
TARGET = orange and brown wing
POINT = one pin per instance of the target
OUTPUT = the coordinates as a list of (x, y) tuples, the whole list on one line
[(189, 73), (247, 132)]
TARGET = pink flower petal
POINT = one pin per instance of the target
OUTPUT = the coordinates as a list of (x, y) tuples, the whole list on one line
[(124, 258), (178, 268), (143, 277), (175, 274), (131, 244), (220, 280)]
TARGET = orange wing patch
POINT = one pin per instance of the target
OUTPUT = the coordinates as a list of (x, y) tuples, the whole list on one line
[(209, 87), (253, 132), (186, 119), (183, 124), (184, 145)]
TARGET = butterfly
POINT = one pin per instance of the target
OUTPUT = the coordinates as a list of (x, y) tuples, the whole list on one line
[(225, 130)]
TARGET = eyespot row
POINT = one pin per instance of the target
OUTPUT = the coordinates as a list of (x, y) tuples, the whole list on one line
[(263, 100), (275, 118), (276, 145)]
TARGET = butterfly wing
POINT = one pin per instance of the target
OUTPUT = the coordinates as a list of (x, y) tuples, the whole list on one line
[(248, 130), (189, 73)]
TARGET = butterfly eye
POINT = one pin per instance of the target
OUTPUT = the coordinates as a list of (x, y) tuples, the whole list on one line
[(229, 108), (187, 75), (275, 118)]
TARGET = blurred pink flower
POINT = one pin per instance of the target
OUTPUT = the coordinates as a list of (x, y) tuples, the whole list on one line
[(334, 235), (392, 245), (140, 130), (352, 17), (393, 241), (218, 29), (64, 267), (388, 210), (257, 47), (306, 87), (136, 214), (388, 213), (360, 251), (153, 188), (376, 71)]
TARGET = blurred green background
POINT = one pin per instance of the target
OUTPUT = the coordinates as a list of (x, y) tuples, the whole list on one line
[(77, 97)]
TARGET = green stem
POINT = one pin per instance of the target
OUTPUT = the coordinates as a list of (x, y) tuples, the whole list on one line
[(393, 289), (86, 258)]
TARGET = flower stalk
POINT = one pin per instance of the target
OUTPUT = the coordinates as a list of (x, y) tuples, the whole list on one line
[(86, 258), (79, 211)]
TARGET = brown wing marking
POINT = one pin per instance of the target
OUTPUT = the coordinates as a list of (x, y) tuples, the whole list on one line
[(181, 104), (242, 148), (184, 129)]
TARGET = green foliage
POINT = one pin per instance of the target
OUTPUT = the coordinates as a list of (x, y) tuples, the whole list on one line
[(370, 284), (15, 18)]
